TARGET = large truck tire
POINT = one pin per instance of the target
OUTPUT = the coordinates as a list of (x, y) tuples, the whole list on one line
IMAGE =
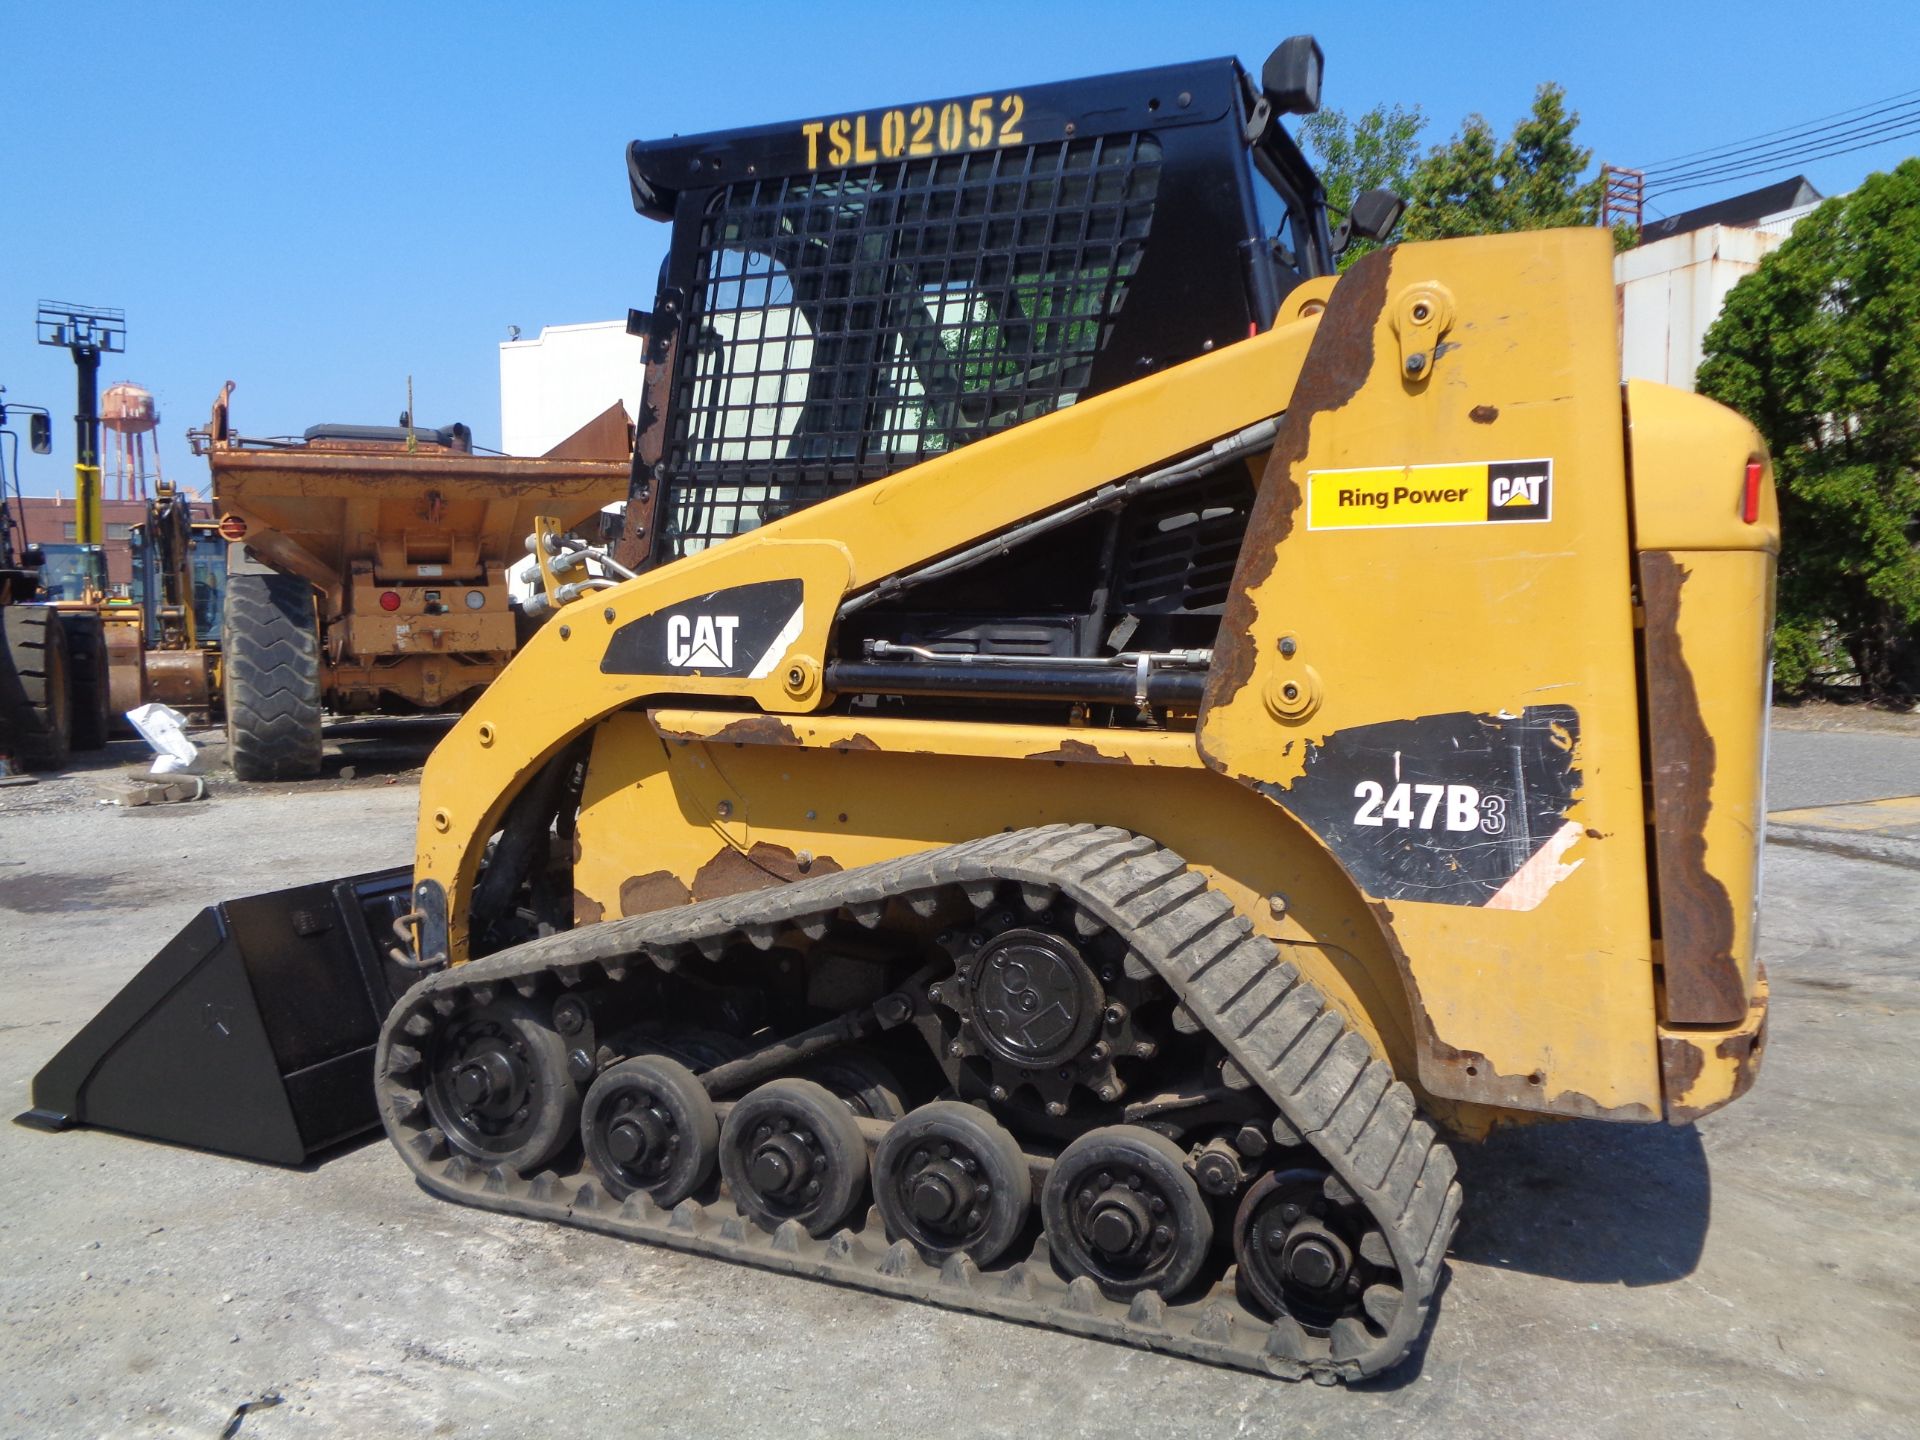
[(36, 718), (272, 663), (87, 682)]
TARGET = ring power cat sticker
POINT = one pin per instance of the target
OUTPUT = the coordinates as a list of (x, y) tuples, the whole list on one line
[(1474, 492), (1520, 490)]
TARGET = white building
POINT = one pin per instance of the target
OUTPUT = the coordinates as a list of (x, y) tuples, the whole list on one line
[(1671, 286), (552, 385)]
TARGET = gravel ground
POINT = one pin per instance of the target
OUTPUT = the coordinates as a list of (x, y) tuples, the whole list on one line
[(1754, 1273)]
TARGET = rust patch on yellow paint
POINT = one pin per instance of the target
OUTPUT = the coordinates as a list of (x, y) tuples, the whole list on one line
[(1681, 1062), (734, 872), (1702, 976), (747, 730), (1744, 1051), (1483, 414), (730, 873), (1080, 752), (1338, 362), (657, 890), (756, 730), (636, 547), (853, 742), (1488, 1086), (587, 910)]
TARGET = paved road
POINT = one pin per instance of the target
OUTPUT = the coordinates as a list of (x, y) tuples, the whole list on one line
[(1827, 767), (1753, 1275)]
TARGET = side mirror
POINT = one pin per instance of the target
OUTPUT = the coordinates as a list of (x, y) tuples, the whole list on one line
[(40, 434), (1373, 216), (1291, 77), (1375, 213)]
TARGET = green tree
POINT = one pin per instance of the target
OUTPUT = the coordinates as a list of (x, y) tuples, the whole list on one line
[(1820, 348), (1476, 184), (1375, 152)]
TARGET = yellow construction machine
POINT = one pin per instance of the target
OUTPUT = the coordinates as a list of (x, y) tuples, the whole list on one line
[(1104, 750), (180, 580), (367, 568)]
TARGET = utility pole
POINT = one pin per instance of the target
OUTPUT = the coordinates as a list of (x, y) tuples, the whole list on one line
[(87, 332), (1624, 199)]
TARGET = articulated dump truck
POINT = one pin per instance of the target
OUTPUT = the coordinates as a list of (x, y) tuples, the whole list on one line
[(367, 569), (1112, 751)]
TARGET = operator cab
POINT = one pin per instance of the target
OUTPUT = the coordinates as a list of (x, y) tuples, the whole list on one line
[(847, 296)]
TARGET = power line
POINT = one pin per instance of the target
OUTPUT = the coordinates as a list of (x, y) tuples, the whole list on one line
[(1826, 135), (1653, 165), (1885, 130), (1761, 164), (1674, 189), (1786, 149)]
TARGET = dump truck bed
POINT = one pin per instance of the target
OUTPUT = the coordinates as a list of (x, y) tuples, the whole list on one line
[(313, 510)]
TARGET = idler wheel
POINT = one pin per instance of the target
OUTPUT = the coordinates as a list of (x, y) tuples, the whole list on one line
[(647, 1124), (791, 1150), (1121, 1208), (952, 1181), (498, 1086), (1307, 1249)]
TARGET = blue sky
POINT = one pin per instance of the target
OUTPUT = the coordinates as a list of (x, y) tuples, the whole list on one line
[(317, 201)]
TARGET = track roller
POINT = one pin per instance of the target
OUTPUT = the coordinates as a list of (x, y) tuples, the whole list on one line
[(951, 1180), (647, 1124), (1122, 1210), (792, 1150)]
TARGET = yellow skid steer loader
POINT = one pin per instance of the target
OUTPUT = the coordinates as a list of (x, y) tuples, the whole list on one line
[(1102, 750)]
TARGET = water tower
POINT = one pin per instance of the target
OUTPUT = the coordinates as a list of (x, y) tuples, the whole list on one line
[(129, 412)]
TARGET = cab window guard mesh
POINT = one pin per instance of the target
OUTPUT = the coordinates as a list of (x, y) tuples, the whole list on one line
[(850, 323)]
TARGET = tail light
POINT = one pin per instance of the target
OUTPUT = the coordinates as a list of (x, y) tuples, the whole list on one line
[(389, 599), (1750, 505)]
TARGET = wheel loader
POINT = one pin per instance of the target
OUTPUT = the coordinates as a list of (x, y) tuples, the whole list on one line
[(1105, 749), (53, 656), (180, 578), (159, 643)]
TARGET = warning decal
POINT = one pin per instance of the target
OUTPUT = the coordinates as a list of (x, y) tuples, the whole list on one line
[(1475, 492)]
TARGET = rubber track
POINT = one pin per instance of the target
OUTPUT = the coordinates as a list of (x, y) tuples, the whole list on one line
[(34, 669), (1319, 1073), (272, 678)]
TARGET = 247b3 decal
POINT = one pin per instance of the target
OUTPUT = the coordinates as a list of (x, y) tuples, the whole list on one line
[(1458, 808), (1443, 809)]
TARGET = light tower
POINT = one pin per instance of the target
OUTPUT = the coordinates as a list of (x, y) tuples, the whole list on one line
[(128, 410), (88, 333)]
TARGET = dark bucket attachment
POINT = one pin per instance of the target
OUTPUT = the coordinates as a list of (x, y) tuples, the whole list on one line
[(251, 1033)]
